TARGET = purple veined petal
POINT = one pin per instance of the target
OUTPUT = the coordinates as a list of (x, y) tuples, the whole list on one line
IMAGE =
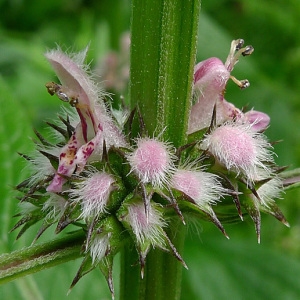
[(82, 92), (86, 150), (84, 95), (66, 165)]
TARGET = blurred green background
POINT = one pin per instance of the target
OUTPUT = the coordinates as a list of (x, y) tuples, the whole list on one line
[(218, 268)]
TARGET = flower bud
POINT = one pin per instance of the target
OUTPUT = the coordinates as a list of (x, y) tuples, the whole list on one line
[(145, 228), (239, 149), (93, 193), (203, 188), (152, 161)]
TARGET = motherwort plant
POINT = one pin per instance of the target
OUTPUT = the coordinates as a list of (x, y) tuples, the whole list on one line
[(129, 181)]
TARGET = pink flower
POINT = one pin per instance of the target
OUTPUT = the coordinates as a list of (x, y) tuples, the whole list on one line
[(210, 79), (152, 161), (96, 125)]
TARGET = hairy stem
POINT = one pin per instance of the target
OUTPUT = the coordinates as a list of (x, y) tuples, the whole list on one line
[(38, 257), (163, 51)]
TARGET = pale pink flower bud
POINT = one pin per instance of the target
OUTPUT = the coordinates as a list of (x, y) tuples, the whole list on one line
[(92, 193), (152, 161), (99, 247), (240, 149), (202, 187), (146, 228)]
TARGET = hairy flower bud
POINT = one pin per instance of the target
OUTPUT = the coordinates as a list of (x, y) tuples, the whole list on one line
[(202, 187), (152, 161), (239, 149), (92, 193), (146, 228)]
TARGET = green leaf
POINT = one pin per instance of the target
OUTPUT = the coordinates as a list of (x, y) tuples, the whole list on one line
[(14, 136), (221, 269)]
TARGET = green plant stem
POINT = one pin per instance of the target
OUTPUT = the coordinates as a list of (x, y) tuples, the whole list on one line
[(163, 272), (38, 257), (163, 51)]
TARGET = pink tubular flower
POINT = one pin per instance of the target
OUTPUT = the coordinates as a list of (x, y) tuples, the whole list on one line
[(202, 187), (95, 126), (152, 161), (240, 149), (93, 193), (210, 79)]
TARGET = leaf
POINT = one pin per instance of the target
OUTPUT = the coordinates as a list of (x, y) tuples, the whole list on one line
[(221, 269), (14, 133)]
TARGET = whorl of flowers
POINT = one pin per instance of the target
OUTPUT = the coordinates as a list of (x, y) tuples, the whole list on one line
[(120, 188)]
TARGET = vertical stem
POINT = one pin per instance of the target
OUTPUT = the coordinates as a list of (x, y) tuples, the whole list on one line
[(163, 272), (163, 51), (130, 279)]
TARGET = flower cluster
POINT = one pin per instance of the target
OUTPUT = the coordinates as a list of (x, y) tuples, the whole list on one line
[(120, 188)]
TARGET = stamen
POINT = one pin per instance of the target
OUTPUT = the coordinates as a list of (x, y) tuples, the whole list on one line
[(248, 50), (74, 101), (236, 50), (57, 89), (243, 84), (239, 44)]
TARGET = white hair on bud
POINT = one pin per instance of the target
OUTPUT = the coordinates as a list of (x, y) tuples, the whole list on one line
[(146, 228)]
